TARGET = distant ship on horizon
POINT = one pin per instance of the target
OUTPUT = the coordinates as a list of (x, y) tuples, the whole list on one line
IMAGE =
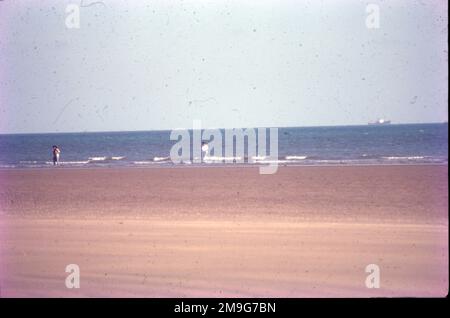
[(380, 121)]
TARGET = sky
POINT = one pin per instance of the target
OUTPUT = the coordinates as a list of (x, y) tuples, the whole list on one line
[(153, 65)]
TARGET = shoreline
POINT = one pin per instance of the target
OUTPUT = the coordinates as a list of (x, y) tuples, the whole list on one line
[(180, 166)]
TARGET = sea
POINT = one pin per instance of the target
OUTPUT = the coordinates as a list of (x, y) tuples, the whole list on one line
[(392, 144)]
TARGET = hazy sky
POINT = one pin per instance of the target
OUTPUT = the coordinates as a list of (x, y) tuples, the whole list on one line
[(144, 65)]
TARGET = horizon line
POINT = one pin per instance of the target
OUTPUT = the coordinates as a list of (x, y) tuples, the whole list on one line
[(152, 130)]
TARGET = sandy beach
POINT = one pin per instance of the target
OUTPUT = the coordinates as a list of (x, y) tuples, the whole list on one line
[(224, 232)]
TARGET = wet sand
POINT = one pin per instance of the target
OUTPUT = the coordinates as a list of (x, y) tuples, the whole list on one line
[(224, 232)]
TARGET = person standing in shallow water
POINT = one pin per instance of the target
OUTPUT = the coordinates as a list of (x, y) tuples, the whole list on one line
[(205, 148), (56, 153)]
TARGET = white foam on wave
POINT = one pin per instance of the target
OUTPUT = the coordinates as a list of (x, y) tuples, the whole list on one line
[(404, 158), (157, 159), (143, 162), (274, 161), (97, 159), (219, 158), (296, 157), (67, 162), (7, 166)]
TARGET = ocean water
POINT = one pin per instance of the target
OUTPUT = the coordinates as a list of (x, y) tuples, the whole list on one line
[(338, 145)]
